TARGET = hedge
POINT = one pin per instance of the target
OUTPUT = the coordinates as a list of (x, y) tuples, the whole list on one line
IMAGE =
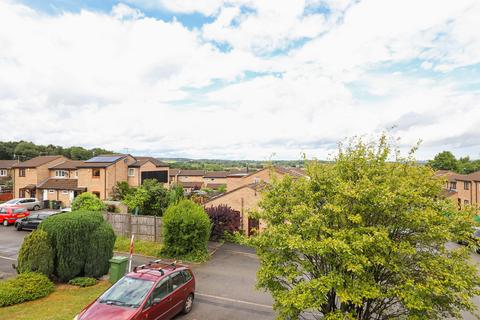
[(83, 282), (186, 230), (25, 287), (36, 254), (82, 243), (88, 202), (224, 220)]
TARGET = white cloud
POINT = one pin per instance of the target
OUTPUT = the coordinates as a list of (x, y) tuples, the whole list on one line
[(124, 80)]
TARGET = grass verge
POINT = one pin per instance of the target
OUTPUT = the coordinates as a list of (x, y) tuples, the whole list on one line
[(64, 303), (146, 248)]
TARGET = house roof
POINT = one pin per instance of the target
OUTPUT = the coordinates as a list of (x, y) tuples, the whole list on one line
[(191, 172), (69, 164), (238, 173), (190, 184), (7, 164), (253, 186), (294, 172), (60, 184), (215, 174), (174, 172), (448, 193), (142, 160), (475, 176), (36, 162), (94, 165)]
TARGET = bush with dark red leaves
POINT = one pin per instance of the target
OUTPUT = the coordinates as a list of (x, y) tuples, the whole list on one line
[(224, 220)]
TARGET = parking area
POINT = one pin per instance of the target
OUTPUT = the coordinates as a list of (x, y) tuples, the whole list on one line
[(225, 284)]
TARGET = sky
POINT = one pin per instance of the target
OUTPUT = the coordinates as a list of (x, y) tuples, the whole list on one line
[(240, 79)]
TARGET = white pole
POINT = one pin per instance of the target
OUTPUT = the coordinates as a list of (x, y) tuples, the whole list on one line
[(131, 254)]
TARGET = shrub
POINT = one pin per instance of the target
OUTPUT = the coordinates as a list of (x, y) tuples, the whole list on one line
[(186, 230), (82, 243), (121, 190), (88, 202), (224, 220), (27, 286), (36, 254), (83, 282), (151, 198)]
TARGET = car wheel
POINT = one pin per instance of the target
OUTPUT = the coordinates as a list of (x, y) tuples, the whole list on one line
[(187, 307), (19, 227), (35, 208), (5, 223)]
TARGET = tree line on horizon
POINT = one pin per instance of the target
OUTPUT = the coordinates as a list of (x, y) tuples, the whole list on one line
[(446, 160), (25, 150)]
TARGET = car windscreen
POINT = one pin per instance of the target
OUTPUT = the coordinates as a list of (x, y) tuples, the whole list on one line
[(11, 201), (129, 292)]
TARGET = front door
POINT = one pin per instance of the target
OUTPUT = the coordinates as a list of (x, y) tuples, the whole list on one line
[(45, 194), (253, 225)]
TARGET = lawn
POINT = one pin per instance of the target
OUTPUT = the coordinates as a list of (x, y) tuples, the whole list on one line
[(64, 303), (146, 248)]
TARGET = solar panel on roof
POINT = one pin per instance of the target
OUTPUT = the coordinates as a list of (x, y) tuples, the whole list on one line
[(104, 159)]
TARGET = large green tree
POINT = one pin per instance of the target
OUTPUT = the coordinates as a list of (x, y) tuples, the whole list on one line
[(445, 160), (364, 238)]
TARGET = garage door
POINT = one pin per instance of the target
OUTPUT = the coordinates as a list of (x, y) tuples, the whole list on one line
[(160, 176)]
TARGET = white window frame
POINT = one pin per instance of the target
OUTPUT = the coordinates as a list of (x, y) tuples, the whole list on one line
[(65, 192), (61, 173), (256, 180), (131, 172), (3, 173)]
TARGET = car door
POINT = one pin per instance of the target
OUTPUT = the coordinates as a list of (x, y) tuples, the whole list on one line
[(180, 291), (31, 221), (159, 305)]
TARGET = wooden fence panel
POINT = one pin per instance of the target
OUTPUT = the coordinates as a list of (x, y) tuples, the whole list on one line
[(143, 227)]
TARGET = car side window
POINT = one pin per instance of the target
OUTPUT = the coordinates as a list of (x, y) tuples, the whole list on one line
[(160, 291), (186, 275), (18, 211), (178, 280)]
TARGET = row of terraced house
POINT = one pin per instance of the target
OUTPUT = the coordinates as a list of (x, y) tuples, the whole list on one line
[(463, 189)]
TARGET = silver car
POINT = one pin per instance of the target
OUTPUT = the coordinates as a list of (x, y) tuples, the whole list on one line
[(27, 203)]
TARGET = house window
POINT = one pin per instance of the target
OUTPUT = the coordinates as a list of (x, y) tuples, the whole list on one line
[(75, 173), (466, 202), (256, 180), (61, 173), (453, 185), (21, 173), (96, 193), (131, 172), (51, 191), (95, 173), (3, 173), (64, 191), (466, 185)]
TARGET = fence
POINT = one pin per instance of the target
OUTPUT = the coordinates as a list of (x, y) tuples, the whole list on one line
[(5, 196), (143, 227)]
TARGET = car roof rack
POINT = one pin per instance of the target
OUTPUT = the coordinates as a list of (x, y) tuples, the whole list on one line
[(159, 269)]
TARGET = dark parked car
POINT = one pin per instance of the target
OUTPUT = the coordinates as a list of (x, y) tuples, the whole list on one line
[(154, 291), (31, 222)]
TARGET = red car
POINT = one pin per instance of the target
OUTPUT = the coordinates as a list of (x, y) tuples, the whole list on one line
[(153, 291), (8, 215)]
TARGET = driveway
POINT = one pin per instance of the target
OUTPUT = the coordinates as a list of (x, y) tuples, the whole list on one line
[(10, 242), (226, 287)]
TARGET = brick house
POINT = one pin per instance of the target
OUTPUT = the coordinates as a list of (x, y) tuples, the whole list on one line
[(464, 189), (147, 168), (6, 170), (244, 199), (215, 179), (263, 175), (28, 174)]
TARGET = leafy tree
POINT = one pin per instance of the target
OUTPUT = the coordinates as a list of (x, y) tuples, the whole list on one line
[(224, 220), (26, 150), (88, 202), (121, 190), (36, 254), (151, 198), (175, 195), (79, 153), (445, 160), (186, 230), (364, 238)]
